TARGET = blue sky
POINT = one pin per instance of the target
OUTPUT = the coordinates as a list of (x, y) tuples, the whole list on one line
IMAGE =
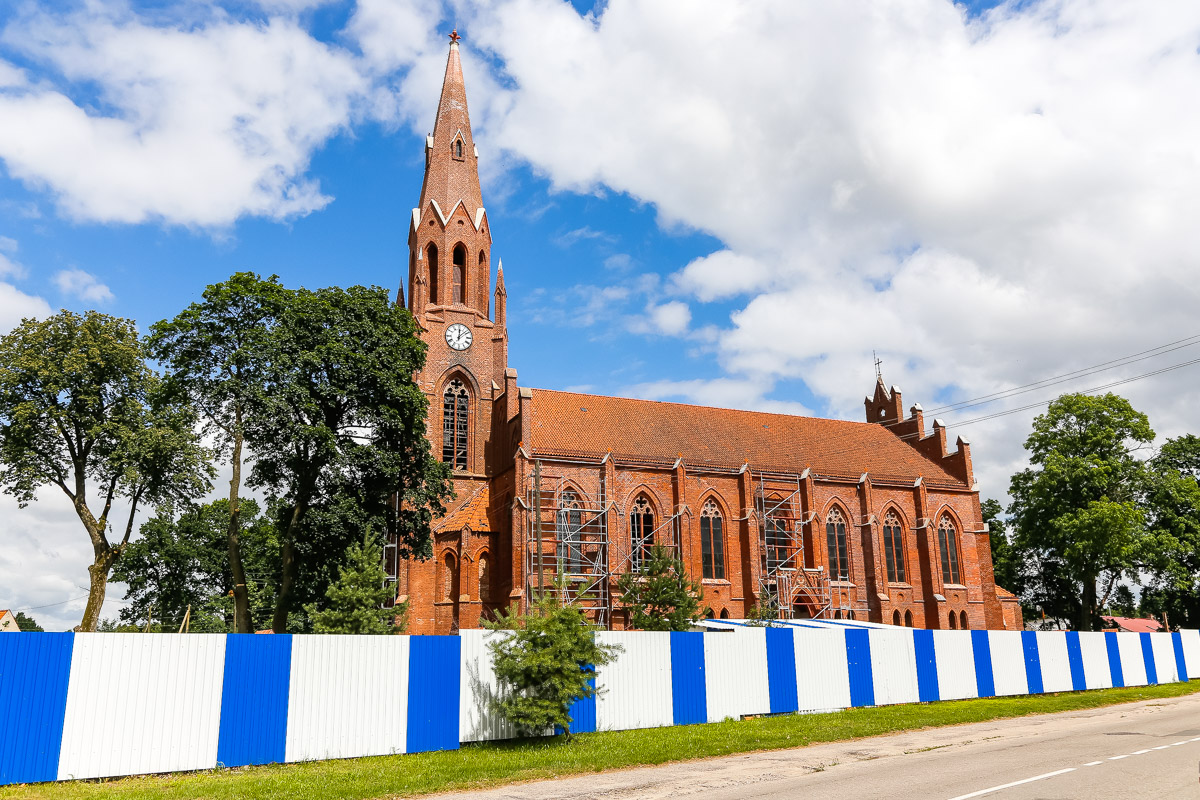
[(721, 203)]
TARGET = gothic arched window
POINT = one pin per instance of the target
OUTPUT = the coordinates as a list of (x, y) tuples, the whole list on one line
[(456, 405), (641, 531), (712, 540), (460, 275), (485, 578), (835, 536), (779, 539), (948, 547), (570, 533), (458, 148), (962, 621), (893, 547), (449, 579), (953, 621), (908, 619), (431, 257), (896, 617)]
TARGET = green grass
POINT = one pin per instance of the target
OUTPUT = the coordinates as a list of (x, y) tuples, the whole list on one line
[(485, 765)]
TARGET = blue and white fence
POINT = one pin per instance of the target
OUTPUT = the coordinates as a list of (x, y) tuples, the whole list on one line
[(100, 705)]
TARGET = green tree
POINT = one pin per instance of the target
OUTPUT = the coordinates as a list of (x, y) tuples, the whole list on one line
[(217, 349), (28, 624), (1075, 510), (339, 429), (1173, 506), (180, 560), (1122, 603), (1006, 559), (546, 660), (359, 601), (81, 410), (764, 613), (659, 596)]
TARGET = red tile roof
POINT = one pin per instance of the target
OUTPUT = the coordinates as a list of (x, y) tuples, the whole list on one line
[(1142, 625), (471, 512), (1006, 596), (565, 423)]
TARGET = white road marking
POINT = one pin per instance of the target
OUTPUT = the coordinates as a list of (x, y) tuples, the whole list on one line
[(1162, 747), (1093, 763), (1197, 739), (1139, 752), (1176, 744), (1118, 758), (1014, 783)]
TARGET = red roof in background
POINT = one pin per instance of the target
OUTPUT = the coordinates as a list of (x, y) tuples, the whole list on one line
[(471, 512), (1134, 625), (566, 423)]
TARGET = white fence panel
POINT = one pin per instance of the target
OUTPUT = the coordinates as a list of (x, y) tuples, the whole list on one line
[(1191, 652), (140, 703), (1056, 664), (348, 697), (1096, 672), (735, 674), (1008, 662), (894, 666), (478, 688), (955, 665), (634, 691), (1164, 657), (1133, 664), (822, 676)]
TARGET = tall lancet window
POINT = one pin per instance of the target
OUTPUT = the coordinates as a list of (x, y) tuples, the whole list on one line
[(893, 547), (835, 536), (456, 405), (641, 531), (460, 274), (948, 545), (432, 257), (712, 541)]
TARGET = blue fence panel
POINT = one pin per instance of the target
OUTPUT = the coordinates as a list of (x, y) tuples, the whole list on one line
[(1114, 659), (434, 671), (981, 648), (1148, 658), (254, 699), (1033, 662), (689, 700), (781, 670), (1180, 661), (858, 663), (34, 671), (583, 711), (927, 679), (1075, 657)]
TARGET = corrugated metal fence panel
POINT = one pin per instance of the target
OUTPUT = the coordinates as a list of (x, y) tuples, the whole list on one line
[(1033, 662), (1115, 667), (1008, 662), (478, 687), (981, 646), (1163, 655), (1180, 659), (955, 665), (1191, 652), (1056, 661), (858, 666), (822, 677), (1148, 659), (348, 697), (34, 673), (689, 697), (142, 703), (894, 666), (433, 693), (927, 682), (254, 699), (1093, 646), (781, 670), (735, 674), (634, 690), (1133, 664)]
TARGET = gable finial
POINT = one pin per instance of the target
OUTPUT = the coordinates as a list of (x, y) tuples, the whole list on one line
[(878, 363), (454, 37)]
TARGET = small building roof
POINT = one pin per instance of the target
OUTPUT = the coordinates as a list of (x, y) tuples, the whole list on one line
[(1134, 624)]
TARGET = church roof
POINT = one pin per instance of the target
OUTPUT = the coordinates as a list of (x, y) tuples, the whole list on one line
[(470, 512), (570, 424), (451, 176)]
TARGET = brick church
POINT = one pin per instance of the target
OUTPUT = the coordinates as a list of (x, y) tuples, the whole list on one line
[(876, 520)]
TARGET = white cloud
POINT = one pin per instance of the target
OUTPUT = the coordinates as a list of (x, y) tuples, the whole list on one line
[(722, 274), (15, 306), (195, 124), (671, 318), (82, 285)]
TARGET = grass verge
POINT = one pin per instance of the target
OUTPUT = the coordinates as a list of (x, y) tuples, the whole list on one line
[(492, 764)]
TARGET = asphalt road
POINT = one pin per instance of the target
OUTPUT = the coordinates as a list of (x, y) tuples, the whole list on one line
[(1149, 749)]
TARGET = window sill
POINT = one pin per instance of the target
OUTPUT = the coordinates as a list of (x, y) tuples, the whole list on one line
[(715, 582), (843, 584), (899, 585)]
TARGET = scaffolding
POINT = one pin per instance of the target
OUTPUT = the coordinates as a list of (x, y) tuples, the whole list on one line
[(566, 546), (786, 580)]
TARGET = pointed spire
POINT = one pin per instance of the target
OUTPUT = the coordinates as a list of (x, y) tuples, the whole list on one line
[(500, 290), (451, 171)]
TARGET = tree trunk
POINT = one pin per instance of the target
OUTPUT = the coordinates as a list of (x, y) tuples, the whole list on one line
[(1087, 611), (98, 583), (241, 596), (287, 578)]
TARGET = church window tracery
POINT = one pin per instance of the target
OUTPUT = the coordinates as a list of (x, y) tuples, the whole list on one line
[(641, 531), (835, 535), (456, 404), (712, 541), (460, 274), (778, 537), (570, 533), (948, 549), (432, 259), (893, 547)]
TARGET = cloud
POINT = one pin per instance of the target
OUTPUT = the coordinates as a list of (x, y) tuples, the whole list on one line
[(581, 234), (671, 318), (195, 123), (721, 275), (718, 392), (82, 285)]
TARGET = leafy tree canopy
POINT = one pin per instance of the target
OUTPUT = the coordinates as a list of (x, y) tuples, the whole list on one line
[(1006, 560), (360, 600), (659, 596), (27, 623)]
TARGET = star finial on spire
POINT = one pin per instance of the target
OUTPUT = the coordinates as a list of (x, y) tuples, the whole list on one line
[(454, 37)]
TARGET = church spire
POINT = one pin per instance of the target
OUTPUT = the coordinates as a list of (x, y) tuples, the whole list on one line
[(451, 164)]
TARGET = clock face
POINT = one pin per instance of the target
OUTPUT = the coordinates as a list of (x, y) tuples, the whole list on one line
[(458, 336)]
